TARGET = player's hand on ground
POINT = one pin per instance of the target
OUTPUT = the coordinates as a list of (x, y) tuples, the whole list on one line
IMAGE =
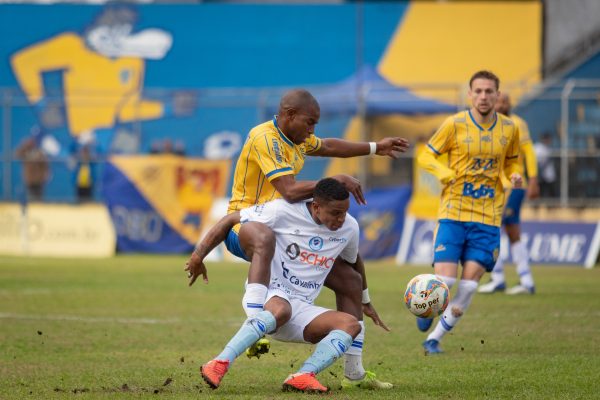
[(533, 189), (353, 186), (370, 312), (392, 146), (516, 180), (195, 267)]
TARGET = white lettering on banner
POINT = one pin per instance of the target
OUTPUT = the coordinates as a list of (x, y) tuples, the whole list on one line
[(553, 247), (136, 224)]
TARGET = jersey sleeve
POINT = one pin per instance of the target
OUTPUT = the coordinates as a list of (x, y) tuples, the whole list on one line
[(350, 252), (440, 141), (511, 162), (312, 144), (265, 213), (268, 152)]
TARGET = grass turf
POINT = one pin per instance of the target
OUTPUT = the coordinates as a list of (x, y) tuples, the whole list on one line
[(129, 327)]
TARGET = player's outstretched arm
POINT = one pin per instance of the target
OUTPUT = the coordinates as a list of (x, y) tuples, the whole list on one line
[(332, 147), (217, 234), (292, 190)]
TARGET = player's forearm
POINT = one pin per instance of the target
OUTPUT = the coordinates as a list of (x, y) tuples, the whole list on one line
[(292, 190), (359, 266), (216, 234), (332, 147), (530, 159), (429, 162)]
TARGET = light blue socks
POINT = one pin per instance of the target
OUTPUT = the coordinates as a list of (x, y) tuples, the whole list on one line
[(332, 347), (253, 329)]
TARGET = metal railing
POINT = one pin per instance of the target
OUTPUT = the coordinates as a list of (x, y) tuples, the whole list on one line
[(556, 103)]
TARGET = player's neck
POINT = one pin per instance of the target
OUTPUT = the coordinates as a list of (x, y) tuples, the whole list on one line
[(309, 205), (483, 119)]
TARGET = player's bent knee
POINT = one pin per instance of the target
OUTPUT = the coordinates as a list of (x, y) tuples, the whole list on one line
[(351, 326)]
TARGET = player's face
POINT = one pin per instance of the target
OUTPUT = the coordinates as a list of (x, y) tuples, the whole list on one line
[(302, 123), (503, 104), (332, 213), (484, 95)]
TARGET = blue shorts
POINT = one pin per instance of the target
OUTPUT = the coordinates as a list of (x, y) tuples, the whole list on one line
[(232, 242), (512, 211), (466, 241)]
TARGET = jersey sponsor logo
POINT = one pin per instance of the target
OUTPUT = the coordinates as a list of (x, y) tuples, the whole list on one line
[(482, 191), (487, 164), (305, 257), (315, 243), (337, 240), (468, 140), (294, 280), (277, 151), (293, 251), (503, 141), (486, 138)]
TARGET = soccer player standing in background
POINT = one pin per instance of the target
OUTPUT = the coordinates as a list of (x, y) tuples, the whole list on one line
[(272, 156), (512, 212), (483, 153)]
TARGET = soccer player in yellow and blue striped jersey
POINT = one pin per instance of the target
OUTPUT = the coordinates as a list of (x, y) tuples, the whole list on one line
[(271, 157), (511, 220), (483, 153)]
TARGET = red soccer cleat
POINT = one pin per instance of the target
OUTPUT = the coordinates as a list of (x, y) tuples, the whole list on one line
[(303, 382), (213, 372)]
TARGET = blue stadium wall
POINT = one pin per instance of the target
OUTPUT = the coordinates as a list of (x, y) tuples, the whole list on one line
[(213, 46)]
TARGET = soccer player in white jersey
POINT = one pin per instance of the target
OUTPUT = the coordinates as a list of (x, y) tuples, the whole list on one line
[(310, 235)]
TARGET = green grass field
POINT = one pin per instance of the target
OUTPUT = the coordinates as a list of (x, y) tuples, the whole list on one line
[(129, 327)]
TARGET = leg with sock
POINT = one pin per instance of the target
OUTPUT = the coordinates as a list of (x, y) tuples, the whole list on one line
[(355, 376), (521, 259), (456, 309), (497, 282), (253, 329)]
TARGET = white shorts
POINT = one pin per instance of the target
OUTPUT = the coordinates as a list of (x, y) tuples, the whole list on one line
[(302, 314)]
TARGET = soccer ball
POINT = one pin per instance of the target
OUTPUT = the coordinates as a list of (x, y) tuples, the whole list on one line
[(426, 296)]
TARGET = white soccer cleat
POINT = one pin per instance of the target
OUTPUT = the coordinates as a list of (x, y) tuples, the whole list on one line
[(492, 287), (520, 289)]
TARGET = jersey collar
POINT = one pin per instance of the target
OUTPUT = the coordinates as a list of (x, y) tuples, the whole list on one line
[(281, 134), (481, 127)]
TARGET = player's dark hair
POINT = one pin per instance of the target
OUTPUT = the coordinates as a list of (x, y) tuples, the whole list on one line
[(483, 74), (329, 189), (298, 99)]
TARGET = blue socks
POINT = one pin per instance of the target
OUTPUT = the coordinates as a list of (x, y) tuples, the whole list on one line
[(253, 329), (332, 347)]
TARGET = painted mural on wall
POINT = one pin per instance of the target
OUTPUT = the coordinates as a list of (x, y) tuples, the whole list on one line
[(102, 73)]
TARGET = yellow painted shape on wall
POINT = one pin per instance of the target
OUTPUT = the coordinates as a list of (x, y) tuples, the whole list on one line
[(446, 42), (177, 187), (98, 90)]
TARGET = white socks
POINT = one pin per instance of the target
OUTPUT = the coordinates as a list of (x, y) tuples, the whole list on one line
[(254, 298), (353, 367), (457, 307), (521, 259)]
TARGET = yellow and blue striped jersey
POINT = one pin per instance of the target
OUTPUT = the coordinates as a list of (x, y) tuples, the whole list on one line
[(267, 154), (527, 158), (480, 162)]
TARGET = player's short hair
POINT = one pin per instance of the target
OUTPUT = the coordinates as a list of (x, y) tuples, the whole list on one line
[(329, 189), (298, 99), (483, 74)]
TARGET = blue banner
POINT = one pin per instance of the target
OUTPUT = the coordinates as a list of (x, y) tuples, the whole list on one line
[(381, 221), (548, 242)]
